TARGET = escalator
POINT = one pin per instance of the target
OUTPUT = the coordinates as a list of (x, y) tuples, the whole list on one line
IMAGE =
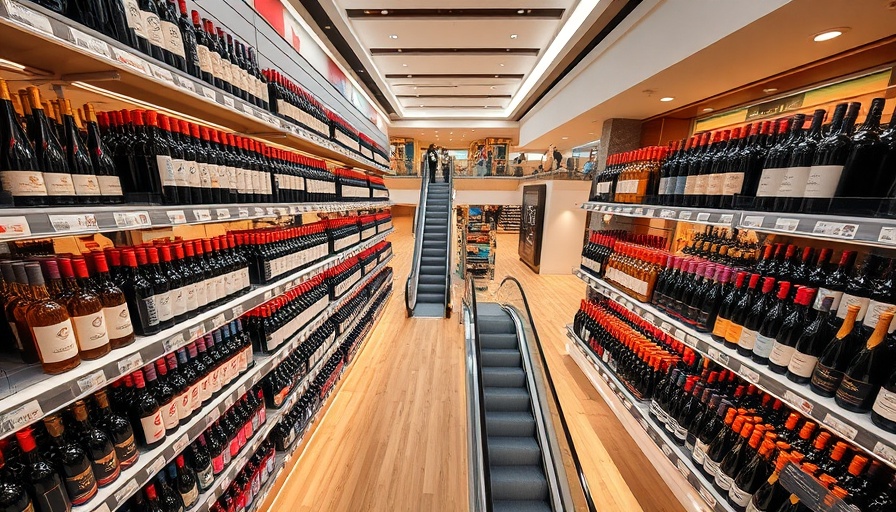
[(428, 286), (521, 454)]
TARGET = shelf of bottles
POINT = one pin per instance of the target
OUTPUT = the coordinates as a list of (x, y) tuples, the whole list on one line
[(857, 428), (592, 366), (83, 56)]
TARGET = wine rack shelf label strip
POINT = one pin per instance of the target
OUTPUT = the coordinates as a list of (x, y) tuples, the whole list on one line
[(824, 410), (61, 31), (54, 392), (693, 215), (679, 459)]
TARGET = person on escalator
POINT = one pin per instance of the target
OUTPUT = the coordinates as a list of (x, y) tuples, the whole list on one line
[(432, 162), (446, 165)]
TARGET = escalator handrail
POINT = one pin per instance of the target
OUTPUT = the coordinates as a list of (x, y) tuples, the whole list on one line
[(470, 302), (449, 245), (550, 381), (410, 295)]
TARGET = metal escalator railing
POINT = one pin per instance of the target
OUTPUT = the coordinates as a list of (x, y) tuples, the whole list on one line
[(450, 180), (563, 469), (410, 296)]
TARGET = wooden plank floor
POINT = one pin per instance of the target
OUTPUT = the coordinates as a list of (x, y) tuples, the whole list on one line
[(394, 435)]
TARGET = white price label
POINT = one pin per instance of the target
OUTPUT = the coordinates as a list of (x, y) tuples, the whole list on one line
[(228, 403), (626, 404), (886, 452), (14, 227), (685, 215), (258, 211), (801, 403), (130, 363), (247, 109), (752, 221), (212, 416), (683, 468), (717, 356), (197, 332), (102, 508), (132, 219), (73, 223), (228, 101), (666, 327), (244, 213), (703, 217), (788, 225), (209, 93), (836, 229), (639, 211), (222, 213), (181, 443), (219, 320), (643, 423), (90, 43), (887, 235), (749, 374), (184, 83), (667, 214), (707, 496), (237, 310), (840, 427), (174, 343), (728, 218), (90, 383), (162, 74), (126, 491), (21, 416), (241, 390), (25, 15), (177, 217), (680, 334), (651, 212), (667, 450), (129, 59), (157, 465), (202, 215)]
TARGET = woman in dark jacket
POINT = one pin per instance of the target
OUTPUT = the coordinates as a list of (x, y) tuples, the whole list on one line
[(432, 162)]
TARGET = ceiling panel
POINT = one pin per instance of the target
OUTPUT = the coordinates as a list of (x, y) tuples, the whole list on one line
[(448, 33), (454, 102), (455, 4), (418, 64), (497, 88)]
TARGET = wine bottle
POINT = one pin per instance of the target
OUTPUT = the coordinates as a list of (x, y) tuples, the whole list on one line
[(883, 298), (736, 458), (187, 484), (101, 159), (19, 171), (793, 185), (785, 341), (740, 312), (809, 346), (835, 357), (13, 496), (777, 160), (115, 308), (202, 463), (867, 370), (98, 444), (119, 429), (86, 311), (723, 319), (51, 327), (755, 317), (84, 180), (41, 478), (163, 394), (753, 476), (140, 295), (745, 169), (49, 155), (722, 443), (864, 156), (858, 289), (72, 461), (827, 164), (145, 412)]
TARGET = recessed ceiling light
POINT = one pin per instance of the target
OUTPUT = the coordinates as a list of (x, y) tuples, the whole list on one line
[(384, 12), (502, 64), (404, 65), (421, 106), (513, 36), (708, 109), (410, 76), (521, 11), (493, 87), (827, 35), (496, 76), (472, 130), (590, 133), (769, 90), (564, 138), (327, 27), (393, 36), (450, 133), (667, 98)]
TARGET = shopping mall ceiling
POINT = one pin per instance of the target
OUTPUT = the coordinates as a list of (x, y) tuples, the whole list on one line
[(472, 59)]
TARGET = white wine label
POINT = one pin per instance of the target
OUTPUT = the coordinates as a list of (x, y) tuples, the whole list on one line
[(739, 496), (205, 60), (181, 176), (90, 330), (110, 186), (781, 354), (715, 184), (166, 170), (690, 185), (885, 405), (723, 481), (793, 183), (56, 342), (86, 185), (23, 183), (875, 309), (802, 364), (164, 306), (153, 26), (701, 185), (59, 184), (824, 292), (848, 300), (134, 17), (699, 452), (174, 43), (770, 182), (747, 339), (153, 427), (822, 181)]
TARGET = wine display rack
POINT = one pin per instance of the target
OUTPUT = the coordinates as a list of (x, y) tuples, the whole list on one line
[(856, 428), (76, 53), (870, 231), (25, 223), (510, 218), (680, 460), (35, 393), (151, 462)]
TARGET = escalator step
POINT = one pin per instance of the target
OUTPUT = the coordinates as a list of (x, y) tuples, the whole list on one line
[(513, 451), (507, 399), (518, 483), (520, 506), (493, 357), (431, 298), (431, 288), (498, 340), (503, 377), (510, 424), (431, 279)]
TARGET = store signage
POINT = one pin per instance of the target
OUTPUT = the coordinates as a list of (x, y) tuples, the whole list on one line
[(532, 225)]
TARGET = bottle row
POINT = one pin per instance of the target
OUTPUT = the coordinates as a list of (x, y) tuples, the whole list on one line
[(59, 312), (779, 165), (61, 156), (166, 32), (739, 437), (828, 327)]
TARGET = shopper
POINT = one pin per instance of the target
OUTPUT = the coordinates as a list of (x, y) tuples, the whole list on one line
[(432, 162), (558, 159), (446, 165)]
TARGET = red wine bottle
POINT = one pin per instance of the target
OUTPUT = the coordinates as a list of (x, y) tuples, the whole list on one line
[(867, 370), (13, 496), (98, 444), (740, 312), (776, 162), (793, 185), (883, 412), (41, 478), (791, 328), (146, 414), (19, 172), (118, 428), (753, 475), (864, 157), (75, 467), (835, 357), (809, 345), (827, 165), (755, 316)]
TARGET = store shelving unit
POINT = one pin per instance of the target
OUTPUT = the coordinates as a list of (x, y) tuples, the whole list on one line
[(510, 218), (70, 52), (476, 243)]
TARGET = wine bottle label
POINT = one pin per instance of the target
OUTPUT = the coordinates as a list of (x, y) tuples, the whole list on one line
[(781, 354), (822, 181), (218, 463), (802, 364), (715, 184), (106, 469), (701, 185), (164, 306), (793, 183), (225, 71), (183, 404), (54, 498), (190, 497), (205, 390), (230, 182), (174, 42), (770, 182), (166, 170), (826, 378), (747, 339), (23, 183), (885, 404), (86, 185), (205, 477), (723, 481), (205, 176), (134, 17), (205, 60), (56, 342), (59, 184), (81, 487), (153, 427), (178, 301), (739, 496), (241, 180), (201, 296), (763, 347), (680, 432), (855, 392), (664, 186), (196, 396), (824, 292), (734, 183), (110, 186), (699, 452), (219, 178), (181, 176), (90, 330), (169, 414), (711, 467), (215, 380), (211, 290), (690, 185), (215, 59), (153, 26), (220, 288), (127, 452), (733, 333), (146, 309), (190, 298), (848, 300), (721, 327), (875, 309), (195, 172)]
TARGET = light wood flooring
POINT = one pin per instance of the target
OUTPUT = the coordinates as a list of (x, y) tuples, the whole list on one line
[(393, 437)]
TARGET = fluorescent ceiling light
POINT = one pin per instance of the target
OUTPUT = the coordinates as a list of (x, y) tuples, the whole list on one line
[(513, 36), (708, 109), (667, 98), (393, 36), (828, 35), (11, 65)]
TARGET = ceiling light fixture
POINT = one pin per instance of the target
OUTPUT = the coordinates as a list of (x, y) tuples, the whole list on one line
[(769, 90), (564, 138), (502, 64), (513, 36), (384, 12), (521, 11), (404, 65), (667, 98), (827, 35), (11, 65), (327, 27), (393, 36), (708, 109)]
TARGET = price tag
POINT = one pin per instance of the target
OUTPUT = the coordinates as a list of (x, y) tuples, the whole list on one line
[(219, 320), (683, 468), (184, 83), (91, 382), (13, 227), (639, 211), (836, 229), (643, 423), (177, 217), (247, 109), (749, 374), (174, 343), (223, 213), (102, 508), (132, 219), (626, 404), (885, 452), (130, 363), (707, 496), (666, 327), (125, 492), (157, 465), (129, 59), (90, 43), (197, 332), (228, 101), (703, 217), (840, 427), (228, 403), (650, 212), (162, 74), (801, 403), (244, 213), (684, 215), (680, 335), (73, 223), (212, 416), (258, 211), (202, 215), (752, 221), (667, 450), (237, 310), (728, 218), (21, 416), (25, 15), (788, 225), (717, 356), (667, 214), (241, 390)]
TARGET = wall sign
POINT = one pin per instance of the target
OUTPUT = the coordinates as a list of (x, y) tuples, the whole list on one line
[(532, 225)]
